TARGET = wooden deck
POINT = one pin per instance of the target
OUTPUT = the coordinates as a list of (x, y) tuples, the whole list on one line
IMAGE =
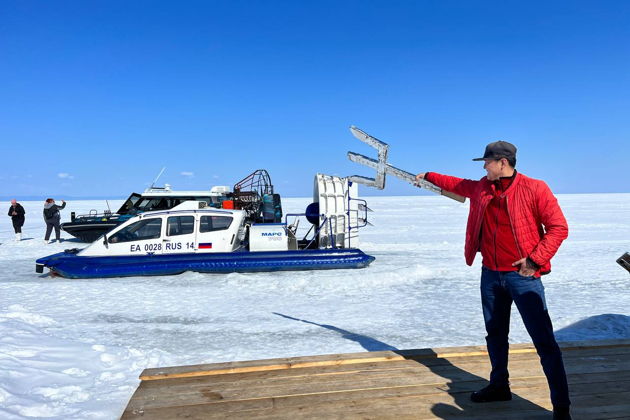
[(409, 384)]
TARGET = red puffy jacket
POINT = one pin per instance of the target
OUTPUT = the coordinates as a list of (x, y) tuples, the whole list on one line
[(537, 221)]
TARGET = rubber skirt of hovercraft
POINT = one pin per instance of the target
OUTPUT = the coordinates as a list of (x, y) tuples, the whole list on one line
[(71, 265)]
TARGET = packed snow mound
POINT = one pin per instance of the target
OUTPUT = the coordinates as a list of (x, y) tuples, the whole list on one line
[(599, 327)]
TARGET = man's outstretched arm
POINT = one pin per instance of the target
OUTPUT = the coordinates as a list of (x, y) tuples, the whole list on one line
[(460, 186)]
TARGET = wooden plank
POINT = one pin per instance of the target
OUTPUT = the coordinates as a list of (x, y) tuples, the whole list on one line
[(611, 411), (203, 395), (265, 365), (319, 406), (406, 406), (440, 404), (352, 358)]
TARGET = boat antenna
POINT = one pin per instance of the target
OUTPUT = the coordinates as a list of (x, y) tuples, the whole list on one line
[(157, 177), (108, 208)]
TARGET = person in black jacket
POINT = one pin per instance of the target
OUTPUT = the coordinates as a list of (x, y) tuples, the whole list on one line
[(16, 212), (53, 218)]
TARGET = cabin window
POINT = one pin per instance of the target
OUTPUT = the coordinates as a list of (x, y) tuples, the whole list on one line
[(136, 204), (147, 204), (142, 229), (212, 223), (180, 225), (129, 204)]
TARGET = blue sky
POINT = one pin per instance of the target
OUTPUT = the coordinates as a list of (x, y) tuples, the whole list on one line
[(97, 97)]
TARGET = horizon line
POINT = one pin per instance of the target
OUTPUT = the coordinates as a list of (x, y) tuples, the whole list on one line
[(93, 198)]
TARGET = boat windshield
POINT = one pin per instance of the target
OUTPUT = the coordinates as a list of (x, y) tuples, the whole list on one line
[(158, 203), (129, 203), (136, 203)]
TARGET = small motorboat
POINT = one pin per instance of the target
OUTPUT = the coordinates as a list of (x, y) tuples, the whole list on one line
[(247, 234), (89, 227)]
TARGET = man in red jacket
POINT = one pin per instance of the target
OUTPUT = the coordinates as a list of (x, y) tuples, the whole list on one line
[(517, 225)]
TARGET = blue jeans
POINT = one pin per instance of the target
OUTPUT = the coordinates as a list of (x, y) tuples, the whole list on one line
[(498, 290)]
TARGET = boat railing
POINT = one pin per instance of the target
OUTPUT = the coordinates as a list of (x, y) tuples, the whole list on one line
[(93, 214), (326, 220), (365, 212)]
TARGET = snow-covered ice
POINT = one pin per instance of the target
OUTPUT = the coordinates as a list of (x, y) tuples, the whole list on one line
[(73, 349)]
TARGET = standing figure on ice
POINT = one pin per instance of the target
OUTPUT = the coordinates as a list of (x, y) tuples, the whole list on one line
[(517, 224), (52, 217), (16, 212)]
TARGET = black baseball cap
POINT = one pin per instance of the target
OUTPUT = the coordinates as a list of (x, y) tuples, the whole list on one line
[(499, 149)]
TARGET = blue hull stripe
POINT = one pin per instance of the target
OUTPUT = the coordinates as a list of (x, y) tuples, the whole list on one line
[(74, 266)]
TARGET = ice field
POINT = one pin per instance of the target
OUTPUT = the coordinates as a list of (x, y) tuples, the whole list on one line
[(73, 349)]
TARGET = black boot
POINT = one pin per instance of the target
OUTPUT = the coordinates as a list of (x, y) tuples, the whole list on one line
[(492, 393), (561, 413)]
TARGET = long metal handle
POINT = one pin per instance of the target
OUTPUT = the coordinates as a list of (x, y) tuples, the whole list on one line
[(398, 173), (453, 196)]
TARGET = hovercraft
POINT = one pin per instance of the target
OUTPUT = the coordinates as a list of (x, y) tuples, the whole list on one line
[(247, 234)]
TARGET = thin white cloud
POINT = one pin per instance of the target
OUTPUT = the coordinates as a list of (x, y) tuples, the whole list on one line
[(188, 174), (65, 175), (215, 176)]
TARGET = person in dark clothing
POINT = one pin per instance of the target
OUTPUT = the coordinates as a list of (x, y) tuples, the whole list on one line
[(16, 212), (52, 217)]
